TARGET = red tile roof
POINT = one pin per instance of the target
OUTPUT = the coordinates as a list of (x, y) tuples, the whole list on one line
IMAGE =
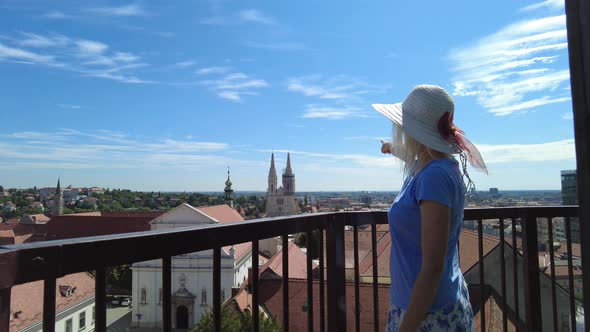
[(468, 251), (67, 227), (16, 233), (225, 214), (383, 253), (222, 213), (91, 213), (136, 214), (271, 299), (469, 247), (6, 237), (297, 264), (27, 298)]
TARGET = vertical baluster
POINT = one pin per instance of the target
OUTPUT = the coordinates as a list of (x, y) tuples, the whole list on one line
[(570, 272), (515, 273), (552, 268), (375, 278), (503, 272), (5, 309), (217, 289), (335, 270), (482, 309), (285, 251), (532, 295), (166, 294), (49, 305), (309, 283), (100, 299), (255, 314), (357, 302), (321, 267)]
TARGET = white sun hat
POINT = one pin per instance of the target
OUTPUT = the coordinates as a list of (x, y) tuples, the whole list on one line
[(419, 114), (427, 116)]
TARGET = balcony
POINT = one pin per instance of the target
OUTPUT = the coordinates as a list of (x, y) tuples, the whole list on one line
[(509, 288)]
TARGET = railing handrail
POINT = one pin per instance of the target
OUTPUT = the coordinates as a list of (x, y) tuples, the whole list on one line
[(23, 263), (52, 259)]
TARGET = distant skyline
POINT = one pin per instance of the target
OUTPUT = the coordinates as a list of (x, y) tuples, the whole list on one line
[(164, 96)]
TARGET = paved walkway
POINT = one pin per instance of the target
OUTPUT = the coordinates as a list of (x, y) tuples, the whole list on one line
[(118, 319)]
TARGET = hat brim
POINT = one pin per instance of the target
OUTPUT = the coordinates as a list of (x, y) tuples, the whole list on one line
[(415, 129)]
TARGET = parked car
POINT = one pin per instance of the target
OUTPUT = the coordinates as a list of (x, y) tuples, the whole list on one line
[(116, 301), (126, 302)]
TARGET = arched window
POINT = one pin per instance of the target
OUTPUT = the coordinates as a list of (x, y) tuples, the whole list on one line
[(143, 296), (204, 297)]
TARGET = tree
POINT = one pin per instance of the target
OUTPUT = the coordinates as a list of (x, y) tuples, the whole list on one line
[(234, 321), (301, 241)]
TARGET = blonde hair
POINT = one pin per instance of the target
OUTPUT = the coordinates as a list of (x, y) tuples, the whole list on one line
[(411, 152)]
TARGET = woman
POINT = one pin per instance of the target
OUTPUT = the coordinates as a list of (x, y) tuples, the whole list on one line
[(428, 292)]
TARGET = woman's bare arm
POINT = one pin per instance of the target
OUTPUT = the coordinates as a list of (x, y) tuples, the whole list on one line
[(436, 219)]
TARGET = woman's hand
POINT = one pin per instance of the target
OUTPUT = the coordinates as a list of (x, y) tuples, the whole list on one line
[(385, 147)]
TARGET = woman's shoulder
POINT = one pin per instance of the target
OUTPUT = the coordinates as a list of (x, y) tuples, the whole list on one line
[(445, 166)]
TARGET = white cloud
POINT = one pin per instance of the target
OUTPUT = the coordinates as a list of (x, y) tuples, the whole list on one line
[(70, 106), (365, 138), (229, 95), (335, 97), (550, 4), (339, 87), (56, 15), (213, 70), (277, 46), (549, 151), (127, 10), (90, 47), (75, 149), (242, 17), (330, 112), (529, 104), (185, 64), (358, 160), (520, 67), (17, 54), (39, 41), (252, 15), (89, 58), (232, 86)]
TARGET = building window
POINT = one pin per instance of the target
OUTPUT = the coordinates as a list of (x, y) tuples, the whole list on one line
[(204, 297), (82, 321), (143, 296), (69, 327), (160, 299), (223, 295), (93, 314)]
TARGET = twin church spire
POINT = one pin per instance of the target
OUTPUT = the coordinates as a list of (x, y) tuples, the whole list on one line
[(288, 187)]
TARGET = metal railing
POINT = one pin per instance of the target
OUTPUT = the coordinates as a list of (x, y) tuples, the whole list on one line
[(50, 260)]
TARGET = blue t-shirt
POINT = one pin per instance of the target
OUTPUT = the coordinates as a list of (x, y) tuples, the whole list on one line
[(439, 181)]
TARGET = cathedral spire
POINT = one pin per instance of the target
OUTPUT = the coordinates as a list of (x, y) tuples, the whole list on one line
[(288, 170), (289, 178), (272, 175)]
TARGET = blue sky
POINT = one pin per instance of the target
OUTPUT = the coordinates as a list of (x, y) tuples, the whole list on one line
[(164, 95)]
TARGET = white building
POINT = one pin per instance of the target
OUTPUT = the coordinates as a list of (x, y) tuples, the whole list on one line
[(192, 274)]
